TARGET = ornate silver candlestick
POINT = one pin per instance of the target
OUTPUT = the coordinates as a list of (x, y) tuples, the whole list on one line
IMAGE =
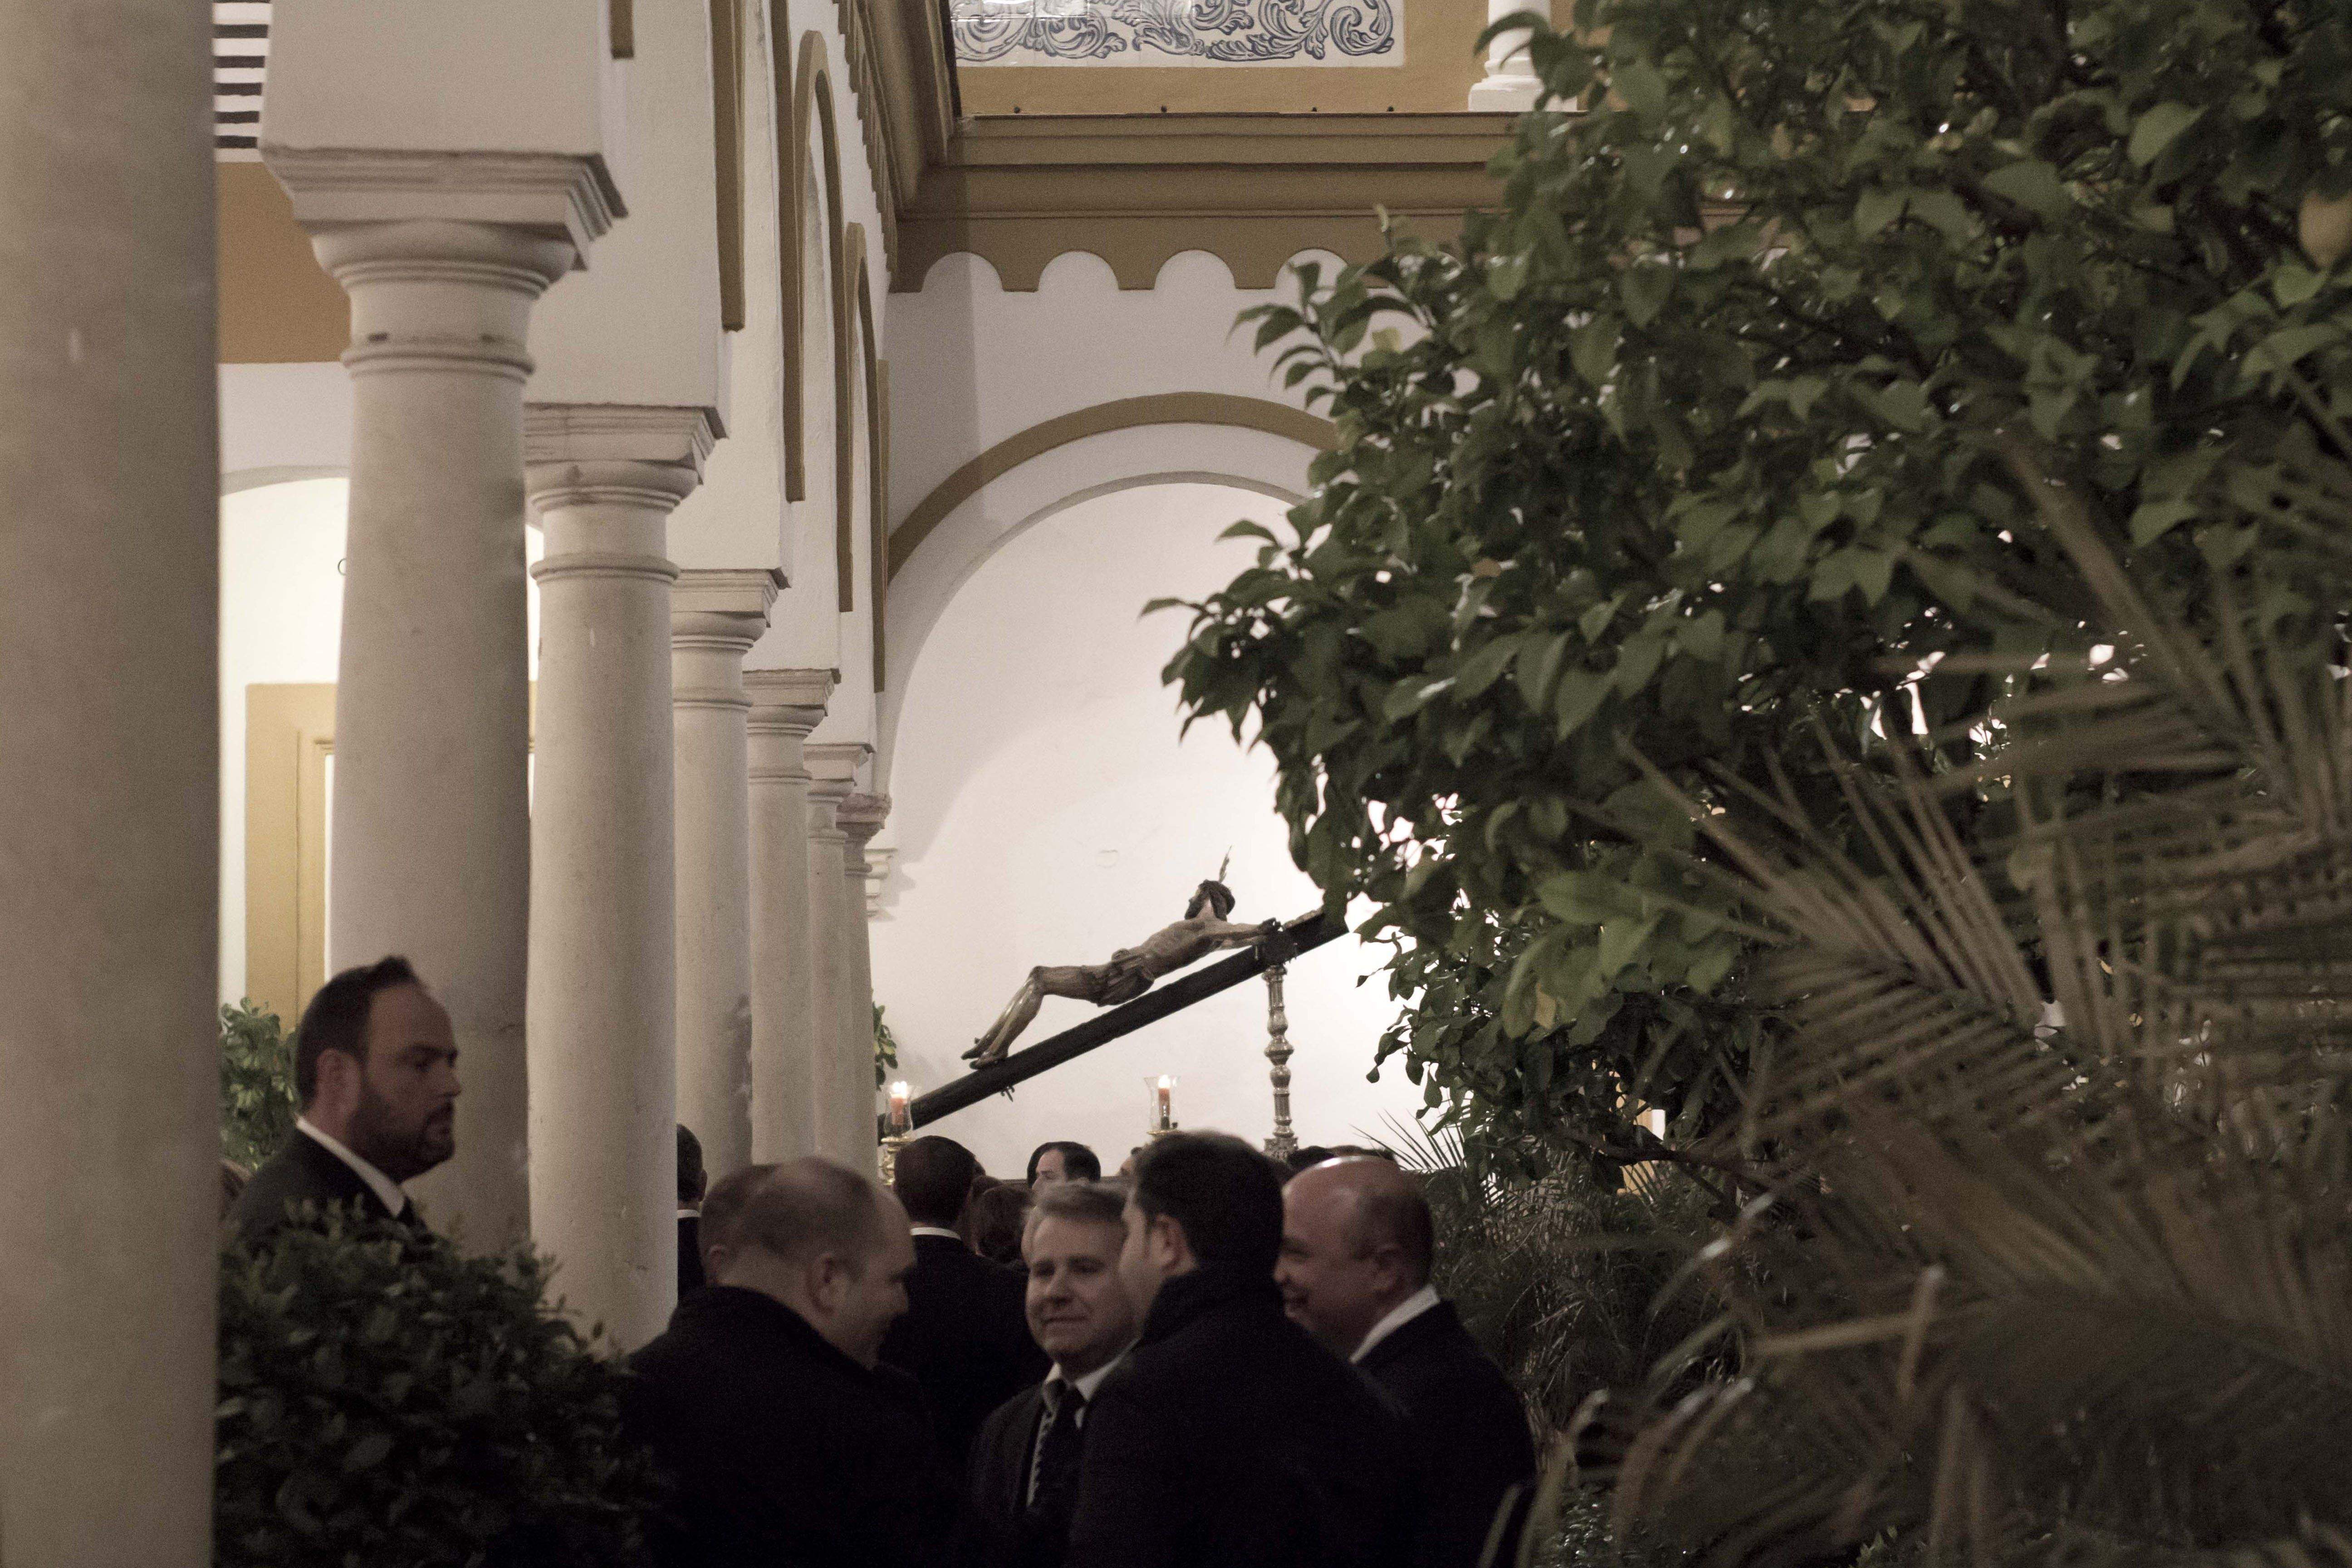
[(1284, 1143)]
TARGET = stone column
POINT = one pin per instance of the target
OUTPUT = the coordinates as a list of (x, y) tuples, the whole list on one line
[(431, 817), (109, 787), (602, 1004), (861, 817), (846, 1012), (786, 704), (715, 617), (1510, 84)]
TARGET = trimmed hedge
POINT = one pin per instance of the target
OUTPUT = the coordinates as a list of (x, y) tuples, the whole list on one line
[(387, 1400)]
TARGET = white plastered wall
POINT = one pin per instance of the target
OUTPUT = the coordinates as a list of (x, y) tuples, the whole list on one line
[(971, 535), (1047, 811), (971, 365)]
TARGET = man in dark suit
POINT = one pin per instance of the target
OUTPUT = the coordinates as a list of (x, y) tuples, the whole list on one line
[(692, 1180), (375, 1068), (1356, 1246), (964, 1338), (1062, 1161), (1230, 1440), (1024, 1481), (763, 1401)]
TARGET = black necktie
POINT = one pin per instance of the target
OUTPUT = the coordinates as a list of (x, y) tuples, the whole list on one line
[(1054, 1478)]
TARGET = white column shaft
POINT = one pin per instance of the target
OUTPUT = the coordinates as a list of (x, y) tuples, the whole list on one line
[(861, 817), (431, 823), (714, 888), (108, 773), (840, 1076), (603, 883), (1510, 84), (785, 1012), (844, 1003)]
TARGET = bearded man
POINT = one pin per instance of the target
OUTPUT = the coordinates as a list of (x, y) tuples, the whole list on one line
[(375, 1066)]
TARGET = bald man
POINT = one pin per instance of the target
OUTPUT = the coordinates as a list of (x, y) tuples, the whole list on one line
[(1356, 1246), (764, 1402)]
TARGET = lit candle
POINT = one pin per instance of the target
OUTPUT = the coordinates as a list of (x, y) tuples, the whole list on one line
[(902, 1118), (1163, 1103)]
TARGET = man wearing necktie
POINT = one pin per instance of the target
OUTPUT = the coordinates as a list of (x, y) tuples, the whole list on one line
[(1230, 1438), (1024, 1464)]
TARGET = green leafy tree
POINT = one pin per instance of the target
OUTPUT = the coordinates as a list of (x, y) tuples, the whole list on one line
[(257, 1104), (885, 1050), (1702, 437), (385, 1398)]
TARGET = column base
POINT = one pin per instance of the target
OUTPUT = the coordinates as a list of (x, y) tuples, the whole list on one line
[(1504, 94)]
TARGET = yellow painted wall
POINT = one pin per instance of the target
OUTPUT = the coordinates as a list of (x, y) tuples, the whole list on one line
[(276, 306)]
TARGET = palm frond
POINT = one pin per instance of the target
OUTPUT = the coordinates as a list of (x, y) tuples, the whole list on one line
[(2060, 1227)]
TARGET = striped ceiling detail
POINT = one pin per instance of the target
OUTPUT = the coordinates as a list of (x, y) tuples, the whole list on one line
[(240, 52)]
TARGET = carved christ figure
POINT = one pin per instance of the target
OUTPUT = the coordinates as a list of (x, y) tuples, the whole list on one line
[(1131, 971)]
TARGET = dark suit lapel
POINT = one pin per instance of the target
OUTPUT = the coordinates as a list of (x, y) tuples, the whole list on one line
[(1426, 1331), (347, 1184), (1014, 1464)]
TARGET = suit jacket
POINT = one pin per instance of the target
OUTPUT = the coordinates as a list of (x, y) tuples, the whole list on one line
[(689, 1254), (783, 1452), (1230, 1440), (965, 1339), (999, 1531), (1466, 1426), (304, 1171)]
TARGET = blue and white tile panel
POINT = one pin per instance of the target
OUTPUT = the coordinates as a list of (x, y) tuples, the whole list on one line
[(1179, 32)]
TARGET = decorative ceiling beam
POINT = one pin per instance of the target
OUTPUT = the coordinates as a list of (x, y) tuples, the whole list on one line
[(1253, 189)]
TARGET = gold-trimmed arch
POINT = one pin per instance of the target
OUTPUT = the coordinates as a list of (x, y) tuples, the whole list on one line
[(1121, 414), (857, 282), (727, 134), (811, 100), (881, 553), (782, 93)]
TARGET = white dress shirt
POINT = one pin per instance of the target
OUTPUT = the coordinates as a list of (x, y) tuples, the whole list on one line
[(1088, 1384), (381, 1186), (1403, 1312), (935, 1230)]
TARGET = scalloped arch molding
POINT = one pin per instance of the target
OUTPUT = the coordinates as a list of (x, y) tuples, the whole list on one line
[(1121, 414)]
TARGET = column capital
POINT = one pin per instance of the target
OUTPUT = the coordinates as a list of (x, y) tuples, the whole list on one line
[(569, 198), (861, 817), (436, 295), (732, 592), (605, 477), (788, 702), (880, 858), (720, 614), (556, 433), (645, 488), (832, 769)]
